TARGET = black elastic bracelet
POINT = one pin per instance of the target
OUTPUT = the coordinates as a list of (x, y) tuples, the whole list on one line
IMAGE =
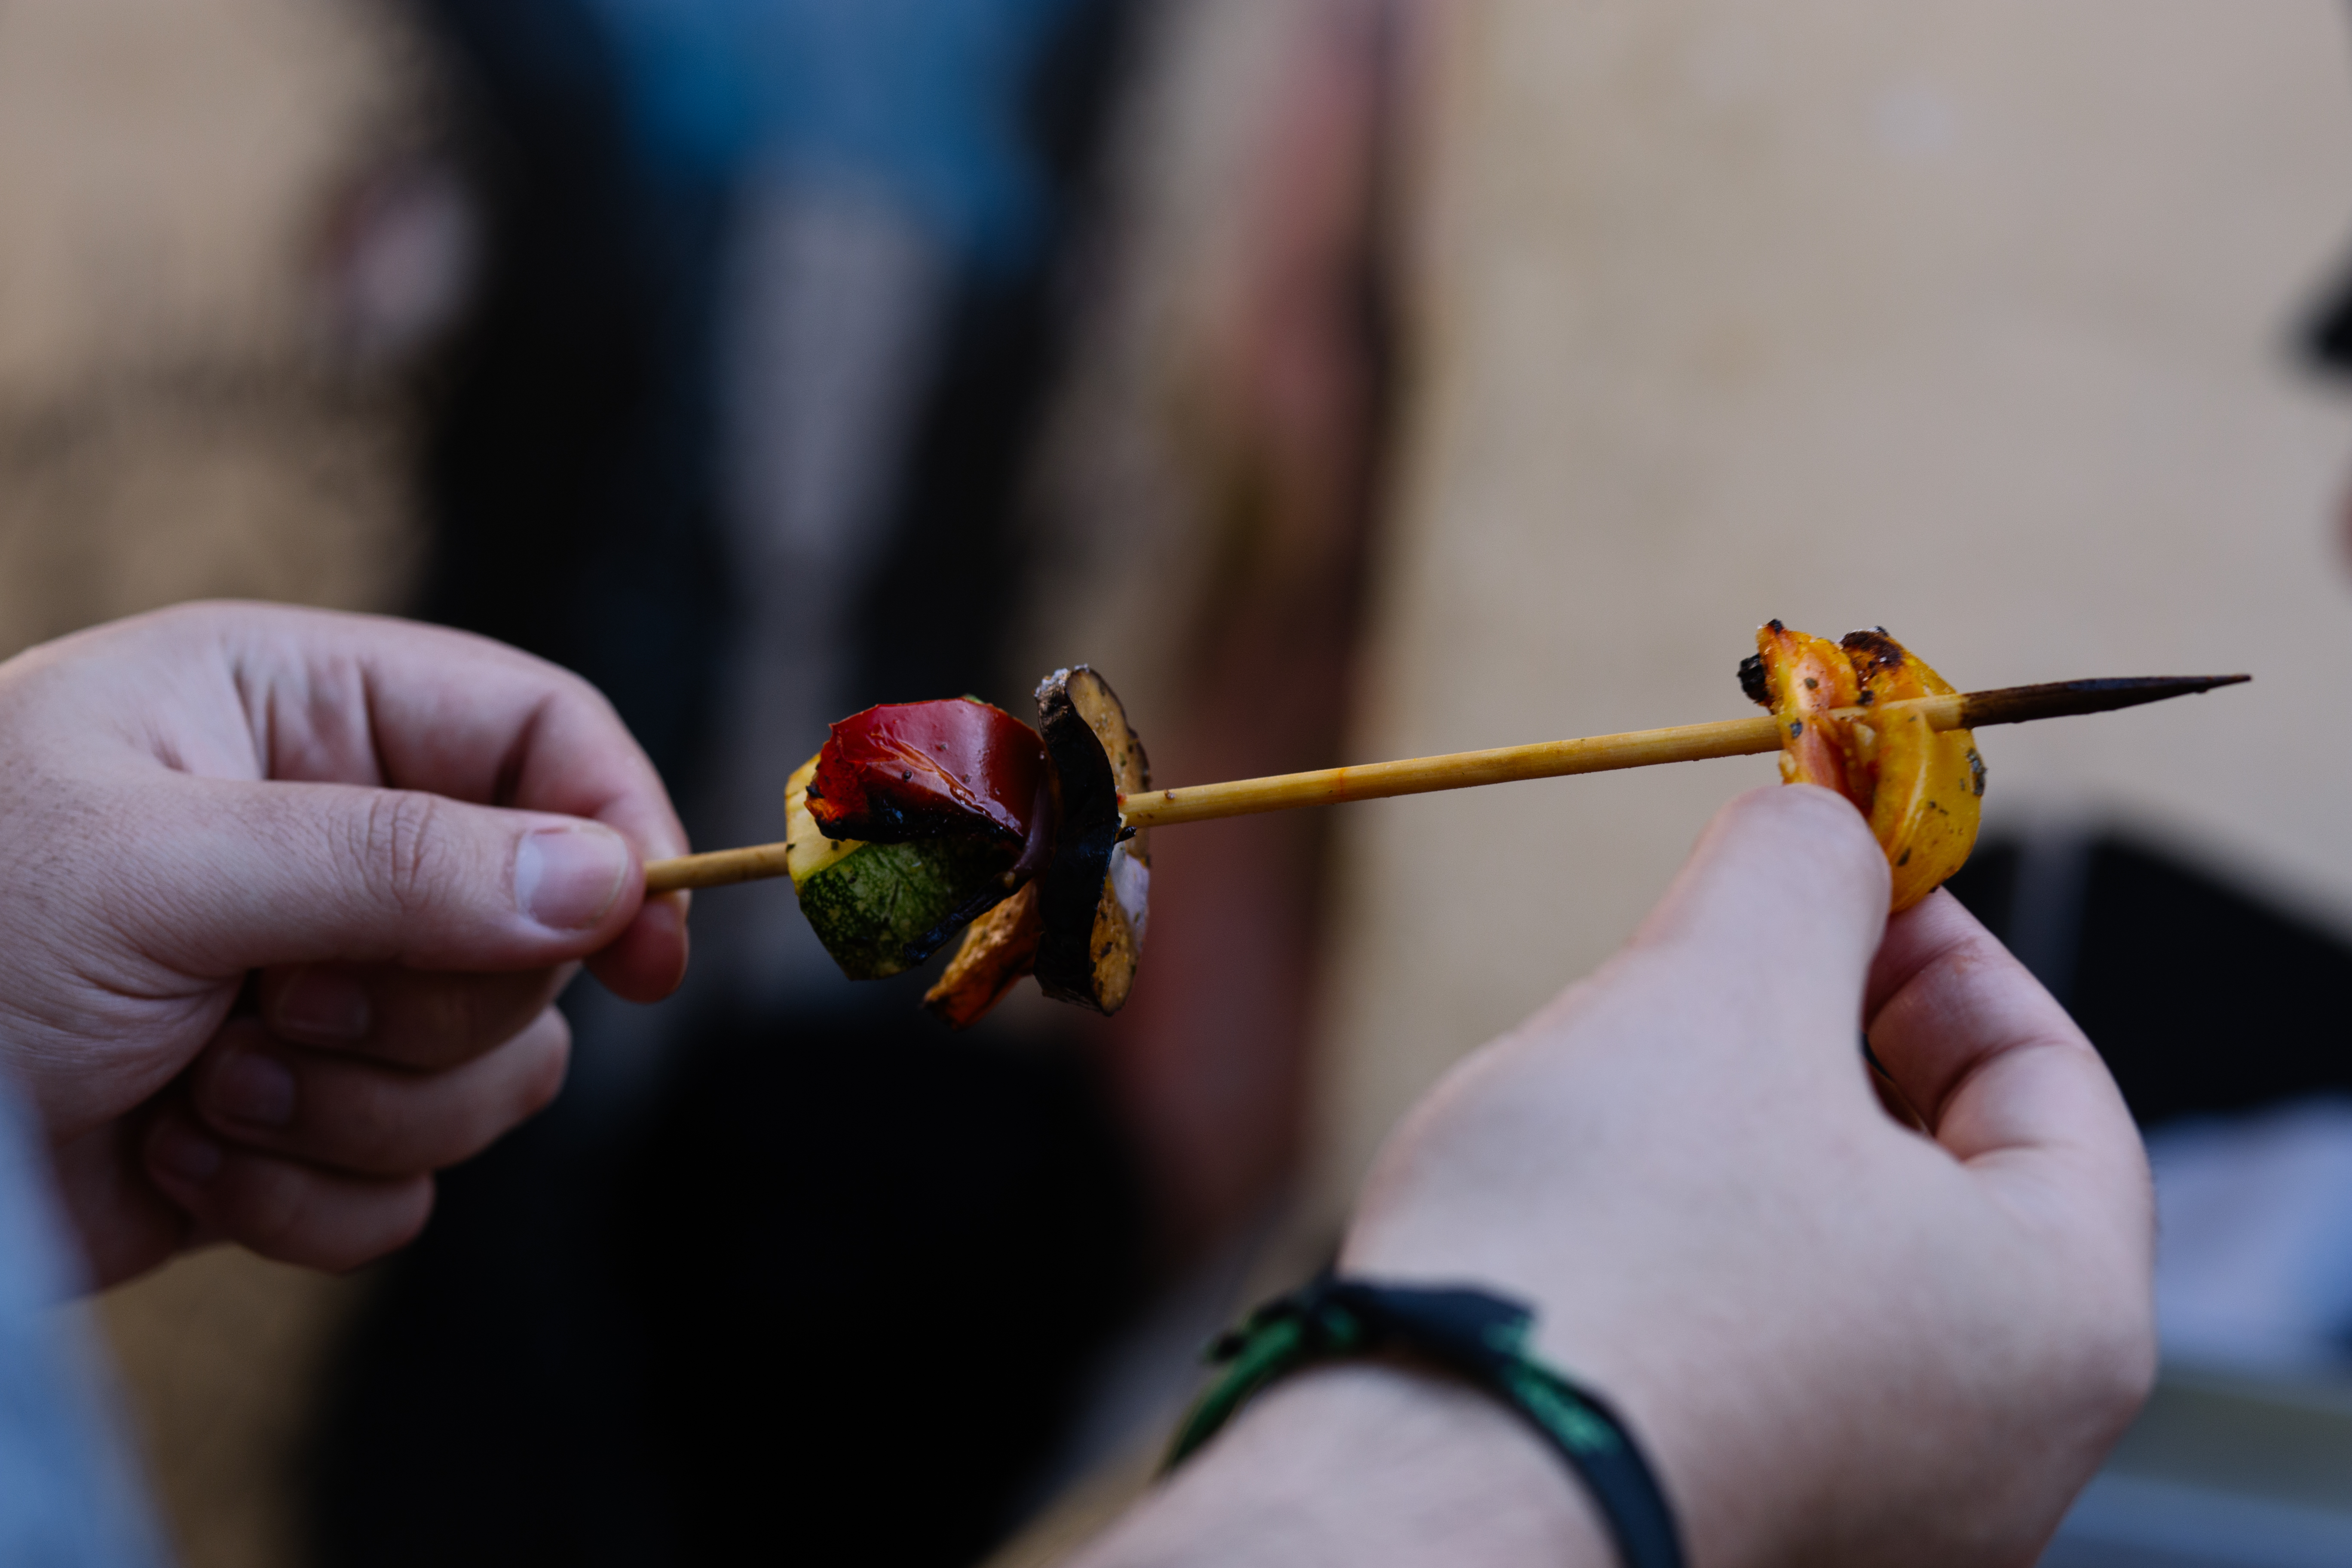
[(1479, 1337)]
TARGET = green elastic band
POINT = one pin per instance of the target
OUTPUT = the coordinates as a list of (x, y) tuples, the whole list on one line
[(1478, 1336)]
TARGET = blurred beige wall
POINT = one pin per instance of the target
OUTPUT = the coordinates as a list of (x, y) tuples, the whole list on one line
[(1967, 317), (174, 419), (178, 419)]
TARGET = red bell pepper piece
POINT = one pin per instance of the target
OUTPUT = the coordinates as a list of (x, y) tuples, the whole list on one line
[(927, 770)]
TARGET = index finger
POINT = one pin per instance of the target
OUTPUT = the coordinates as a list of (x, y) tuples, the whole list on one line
[(369, 700), (1999, 1072)]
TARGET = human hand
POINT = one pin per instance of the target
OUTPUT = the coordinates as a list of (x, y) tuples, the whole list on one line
[(1840, 1341), (408, 838)]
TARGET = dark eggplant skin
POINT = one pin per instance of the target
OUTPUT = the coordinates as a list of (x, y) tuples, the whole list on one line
[(1088, 951)]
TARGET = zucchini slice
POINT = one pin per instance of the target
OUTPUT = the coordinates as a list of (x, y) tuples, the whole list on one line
[(883, 907), (1094, 898)]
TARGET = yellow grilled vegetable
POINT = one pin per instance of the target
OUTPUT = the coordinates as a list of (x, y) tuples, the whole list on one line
[(1920, 787)]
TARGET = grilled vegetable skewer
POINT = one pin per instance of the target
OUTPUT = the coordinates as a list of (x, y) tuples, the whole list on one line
[(1507, 765), (918, 821)]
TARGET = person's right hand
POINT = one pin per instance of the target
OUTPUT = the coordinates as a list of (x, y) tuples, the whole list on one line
[(396, 842), (1841, 1340)]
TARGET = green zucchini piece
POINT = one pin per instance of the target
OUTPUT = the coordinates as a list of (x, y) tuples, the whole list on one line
[(1095, 897), (883, 907)]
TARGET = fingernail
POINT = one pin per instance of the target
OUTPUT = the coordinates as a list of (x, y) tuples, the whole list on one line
[(567, 878), (184, 1152), (251, 1087), (322, 1006)]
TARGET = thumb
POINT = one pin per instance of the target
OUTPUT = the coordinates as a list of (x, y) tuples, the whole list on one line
[(1779, 907), (237, 874)]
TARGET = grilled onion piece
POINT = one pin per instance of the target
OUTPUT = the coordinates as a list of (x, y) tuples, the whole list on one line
[(999, 948), (1804, 679)]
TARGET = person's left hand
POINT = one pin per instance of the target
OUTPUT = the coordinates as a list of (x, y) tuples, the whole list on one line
[(397, 842), (1838, 1340)]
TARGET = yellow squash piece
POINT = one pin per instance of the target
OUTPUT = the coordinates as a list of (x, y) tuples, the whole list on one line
[(1920, 787)]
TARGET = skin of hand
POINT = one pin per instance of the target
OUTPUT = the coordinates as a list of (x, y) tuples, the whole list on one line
[(290, 896), (1841, 1340)]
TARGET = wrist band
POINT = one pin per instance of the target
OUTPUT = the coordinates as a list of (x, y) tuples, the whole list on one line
[(1479, 1337)]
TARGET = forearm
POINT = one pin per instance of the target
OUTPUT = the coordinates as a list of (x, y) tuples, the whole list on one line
[(1367, 1464)]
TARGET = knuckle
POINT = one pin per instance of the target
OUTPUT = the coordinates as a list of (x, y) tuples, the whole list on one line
[(395, 843)]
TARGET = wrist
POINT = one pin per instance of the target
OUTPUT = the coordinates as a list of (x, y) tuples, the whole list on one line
[(1368, 1463)]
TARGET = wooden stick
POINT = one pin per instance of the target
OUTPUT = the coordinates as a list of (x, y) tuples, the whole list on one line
[(1507, 765), (716, 869), (1636, 749)]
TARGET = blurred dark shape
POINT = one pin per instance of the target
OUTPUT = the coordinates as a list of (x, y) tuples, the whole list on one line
[(570, 478), (823, 1285), (817, 362), (2327, 334), (831, 1309), (894, 1286), (2204, 998)]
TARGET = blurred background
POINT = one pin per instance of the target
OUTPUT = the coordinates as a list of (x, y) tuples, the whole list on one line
[(1345, 378)]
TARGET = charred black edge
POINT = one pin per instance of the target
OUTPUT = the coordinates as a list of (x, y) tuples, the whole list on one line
[(1071, 886), (1752, 680), (891, 826), (1871, 648), (2066, 699)]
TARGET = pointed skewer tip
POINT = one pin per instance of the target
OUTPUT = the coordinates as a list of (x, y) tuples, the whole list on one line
[(2066, 699)]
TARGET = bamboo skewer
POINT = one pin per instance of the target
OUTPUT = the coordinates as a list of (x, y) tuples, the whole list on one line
[(1507, 765)]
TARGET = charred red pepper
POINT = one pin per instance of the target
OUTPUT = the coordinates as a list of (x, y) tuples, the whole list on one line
[(928, 770)]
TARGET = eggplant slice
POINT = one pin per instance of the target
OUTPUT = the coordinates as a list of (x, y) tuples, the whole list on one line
[(1095, 897)]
